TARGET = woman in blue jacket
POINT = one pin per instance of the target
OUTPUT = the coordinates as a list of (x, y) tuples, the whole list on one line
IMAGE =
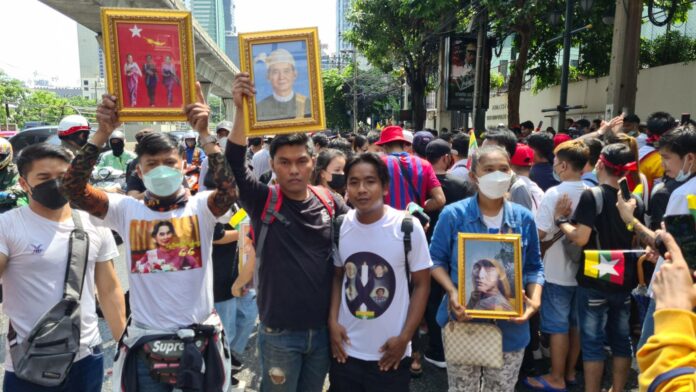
[(487, 212)]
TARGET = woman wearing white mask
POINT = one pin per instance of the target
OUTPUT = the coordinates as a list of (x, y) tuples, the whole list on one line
[(487, 212)]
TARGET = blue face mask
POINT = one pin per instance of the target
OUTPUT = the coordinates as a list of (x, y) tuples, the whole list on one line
[(684, 175), (163, 181)]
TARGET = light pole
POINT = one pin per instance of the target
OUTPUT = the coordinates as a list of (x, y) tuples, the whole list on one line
[(355, 91)]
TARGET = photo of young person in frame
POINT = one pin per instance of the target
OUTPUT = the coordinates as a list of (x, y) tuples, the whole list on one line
[(282, 81), (490, 276)]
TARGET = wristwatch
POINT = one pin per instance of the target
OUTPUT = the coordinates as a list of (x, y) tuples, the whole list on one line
[(204, 141), (632, 224), (562, 220)]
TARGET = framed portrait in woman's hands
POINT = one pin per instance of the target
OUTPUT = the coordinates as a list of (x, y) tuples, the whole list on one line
[(149, 62), (285, 68), (490, 275)]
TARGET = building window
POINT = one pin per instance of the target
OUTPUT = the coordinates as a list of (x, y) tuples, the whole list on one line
[(86, 82)]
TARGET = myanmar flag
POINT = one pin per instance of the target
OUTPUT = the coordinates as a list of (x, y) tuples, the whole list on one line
[(473, 146), (607, 265), (691, 202)]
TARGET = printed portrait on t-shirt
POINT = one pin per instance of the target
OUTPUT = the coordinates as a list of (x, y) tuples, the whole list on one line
[(369, 285), (165, 245)]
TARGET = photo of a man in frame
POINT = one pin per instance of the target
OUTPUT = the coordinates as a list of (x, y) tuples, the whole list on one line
[(284, 102)]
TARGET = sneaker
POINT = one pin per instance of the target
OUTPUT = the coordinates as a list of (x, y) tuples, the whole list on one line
[(437, 362), (236, 364)]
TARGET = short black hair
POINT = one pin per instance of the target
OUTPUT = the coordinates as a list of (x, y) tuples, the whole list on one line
[(446, 136), (597, 122), (542, 144), (292, 139), (527, 124), (359, 142), (680, 141), (154, 143), (632, 118), (660, 122), (574, 152), (583, 123), (618, 154), (372, 159), (460, 143), (342, 145), (39, 151), (373, 137), (141, 133), (595, 146), (320, 140), (255, 141), (505, 138)]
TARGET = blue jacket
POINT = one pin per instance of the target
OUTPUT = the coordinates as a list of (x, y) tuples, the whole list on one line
[(465, 217)]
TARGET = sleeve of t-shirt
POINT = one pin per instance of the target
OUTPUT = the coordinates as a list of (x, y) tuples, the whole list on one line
[(586, 211), (5, 241), (419, 257), (677, 204), (219, 232), (520, 194), (431, 178), (441, 242), (201, 176), (108, 250), (252, 193), (544, 216), (115, 215)]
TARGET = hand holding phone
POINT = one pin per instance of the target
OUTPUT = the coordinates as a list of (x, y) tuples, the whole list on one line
[(625, 192)]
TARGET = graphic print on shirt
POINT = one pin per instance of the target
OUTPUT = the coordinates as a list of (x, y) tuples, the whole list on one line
[(369, 285), (165, 245)]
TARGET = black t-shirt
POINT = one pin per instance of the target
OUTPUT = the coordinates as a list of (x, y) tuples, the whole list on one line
[(542, 174), (455, 189), (659, 200), (225, 269), (613, 235), (296, 273)]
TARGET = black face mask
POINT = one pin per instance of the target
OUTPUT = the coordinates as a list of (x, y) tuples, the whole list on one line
[(80, 138), (117, 149), (338, 181), (48, 194)]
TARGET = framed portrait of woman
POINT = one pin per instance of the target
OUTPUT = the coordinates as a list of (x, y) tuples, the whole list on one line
[(149, 62), (490, 275), (285, 68)]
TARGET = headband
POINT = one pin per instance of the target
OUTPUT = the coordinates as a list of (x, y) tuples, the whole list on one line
[(618, 169)]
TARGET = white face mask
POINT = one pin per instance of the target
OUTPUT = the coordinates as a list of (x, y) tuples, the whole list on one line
[(223, 143), (494, 185), (684, 175)]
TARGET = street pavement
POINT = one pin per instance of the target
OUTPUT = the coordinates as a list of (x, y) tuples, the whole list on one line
[(432, 380)]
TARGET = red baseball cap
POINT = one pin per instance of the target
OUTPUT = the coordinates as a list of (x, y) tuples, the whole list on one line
[(560, 138), (390, 134), (524, 156)]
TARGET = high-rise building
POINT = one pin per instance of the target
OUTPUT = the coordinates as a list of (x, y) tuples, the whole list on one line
[(228, 10), (92, 81), (211, 16), (343, 8)]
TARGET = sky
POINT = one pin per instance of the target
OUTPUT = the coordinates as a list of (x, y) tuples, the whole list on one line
[(45, 44)]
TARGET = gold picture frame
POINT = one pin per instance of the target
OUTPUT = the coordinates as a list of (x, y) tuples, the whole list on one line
[(491, 256), (149, 61), (297, 63)]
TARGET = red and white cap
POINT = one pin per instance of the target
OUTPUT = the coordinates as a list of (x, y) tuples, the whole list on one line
[(72, 124)]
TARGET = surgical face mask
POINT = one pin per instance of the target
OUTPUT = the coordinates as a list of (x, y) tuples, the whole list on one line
[(555, 175), (222, 141), (684, 175), (494, 185), (163, 180), (48, 194), (338, 181)]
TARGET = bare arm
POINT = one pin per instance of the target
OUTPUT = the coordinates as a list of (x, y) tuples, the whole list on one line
[(111, 297), (338, 333), (3, 263), (229, 237), (247, 272), (626, 211), (579, 235), (436, 200), (442, 277)]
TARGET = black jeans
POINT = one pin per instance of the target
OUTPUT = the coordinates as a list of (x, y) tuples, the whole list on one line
[(364, 376)]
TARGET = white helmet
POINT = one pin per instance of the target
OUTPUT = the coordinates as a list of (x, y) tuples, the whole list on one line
[(118, 135), (190, 135), (72, 124)]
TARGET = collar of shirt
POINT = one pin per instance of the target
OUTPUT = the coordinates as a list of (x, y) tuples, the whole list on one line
[(283, 99), (472, 214)]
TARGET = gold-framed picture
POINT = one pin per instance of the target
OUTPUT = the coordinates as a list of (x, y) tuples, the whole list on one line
[(149, 62), (490, 275), (285, 68)]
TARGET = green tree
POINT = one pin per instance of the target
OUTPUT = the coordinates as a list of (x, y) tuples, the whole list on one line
[(12, 91), (403, 34), (336, 101), (669, 48)]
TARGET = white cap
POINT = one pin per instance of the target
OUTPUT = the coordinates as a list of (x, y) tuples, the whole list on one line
[(118, 135), (408, 135), (277, 56)]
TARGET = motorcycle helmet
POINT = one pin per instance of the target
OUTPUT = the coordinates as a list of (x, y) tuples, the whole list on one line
[(118, 135), (5, 153), (71, 125)]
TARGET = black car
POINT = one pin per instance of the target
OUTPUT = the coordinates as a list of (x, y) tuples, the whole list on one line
[(35, 135)]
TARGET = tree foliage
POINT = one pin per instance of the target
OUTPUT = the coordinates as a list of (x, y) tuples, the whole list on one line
[(672, 47), (403, 34)]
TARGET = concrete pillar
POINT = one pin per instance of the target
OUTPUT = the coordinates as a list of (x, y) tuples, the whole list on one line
[(230, 109), (205, 88), (443, 117)]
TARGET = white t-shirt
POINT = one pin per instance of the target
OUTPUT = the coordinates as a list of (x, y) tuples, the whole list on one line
[(678, 203), (459, 170), (493, 223), (374, 297), (557, 268), (33, 281), (535, 192), (170, 271)]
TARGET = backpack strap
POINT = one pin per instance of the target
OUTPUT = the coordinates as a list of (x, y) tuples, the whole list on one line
[(337, 223), (270, 213), (598, 195), (668, 375), (325, 197), (407, 229), (77, 259)]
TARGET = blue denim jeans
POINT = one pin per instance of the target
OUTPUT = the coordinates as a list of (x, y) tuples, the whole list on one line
[(558, 309), (86, 375), (293, 360), (145, 382), (238, 317), (604, 317)]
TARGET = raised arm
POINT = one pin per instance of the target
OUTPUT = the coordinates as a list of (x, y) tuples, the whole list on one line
[(76, 181), (225, 195)]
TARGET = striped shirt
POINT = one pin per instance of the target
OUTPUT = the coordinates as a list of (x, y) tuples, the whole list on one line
[(423, 180)]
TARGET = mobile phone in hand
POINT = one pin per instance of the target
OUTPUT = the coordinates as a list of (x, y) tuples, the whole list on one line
[(625, 192), (685, 117), (683, 229)]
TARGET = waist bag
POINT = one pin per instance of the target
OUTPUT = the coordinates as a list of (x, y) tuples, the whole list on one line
[(47, 354)]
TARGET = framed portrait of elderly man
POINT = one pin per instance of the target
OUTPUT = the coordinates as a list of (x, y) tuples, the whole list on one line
[(149, 62), (490, 275), (285, 68)]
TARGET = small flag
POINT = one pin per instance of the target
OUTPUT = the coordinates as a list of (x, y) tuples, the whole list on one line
[(237, 218), (691, 202), (473, 146), (607, 265)]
